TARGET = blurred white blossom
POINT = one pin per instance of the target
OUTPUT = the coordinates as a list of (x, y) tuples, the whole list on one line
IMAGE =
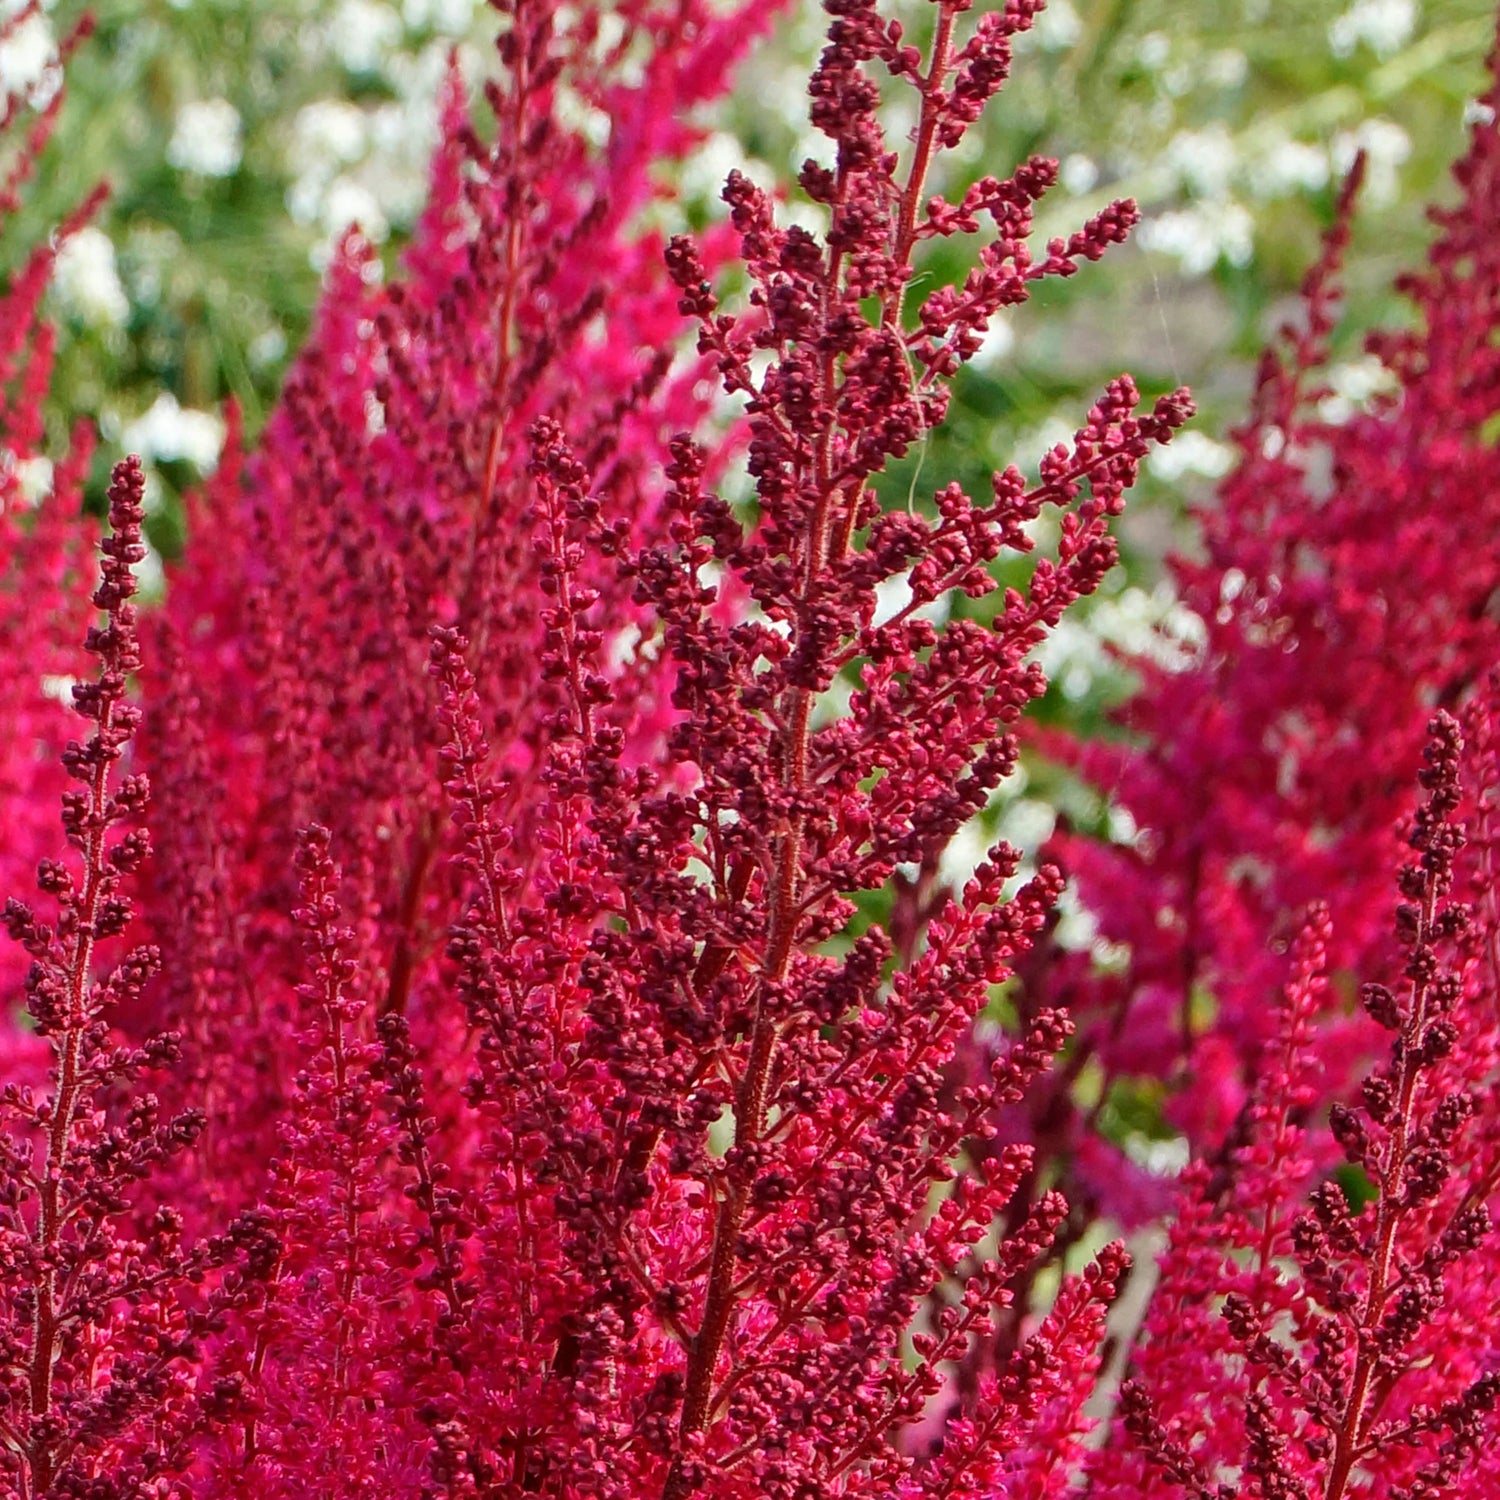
[(1203, 161), (362, 32), (1153, 624), (1078, 174), (26, 55), (367, 164), (1351, 387), (33, 476), (1278, 165), (573, 112), (1386, 146), (1227, 68), (206, 138), (87, 281), (1023, 822), (1198, 236), (327, 133), (347, 202), (1384, 26), (267, 348), (150, 574), (1154, 49), (416, 78), (451, 17), (1057, 27), (998, 342), (172, 432), (1191, 452), (703, 173)]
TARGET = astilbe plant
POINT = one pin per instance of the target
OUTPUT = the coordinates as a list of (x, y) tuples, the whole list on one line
[(45, 550), (1346, 591), (1296, 1347), (92, 1334), (499, 1091), (534, 1122)]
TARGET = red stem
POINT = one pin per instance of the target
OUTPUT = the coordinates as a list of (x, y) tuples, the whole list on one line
[(750, 1102), (1351, 1433), (45, 1323)]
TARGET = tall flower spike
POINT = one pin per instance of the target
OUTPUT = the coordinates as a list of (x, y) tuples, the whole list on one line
[(1373, 1362), (1343, 591), (578, 1133), (87, 1260)]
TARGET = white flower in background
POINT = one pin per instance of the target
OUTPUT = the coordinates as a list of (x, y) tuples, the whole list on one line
[(1031, 446), (401, 141), (35, 479), (1191, 452), (304, 198), (1351, 387), (450, 17), (1122, 826), (1386, 146), (1027, 823), (1153, 50), (149, 255), (1077, 928), (1023, 822), (1073, 656), (1384, 26), (1203, 161), (206, 138), (1054, 30), (1078, 174), (995, 346), (1180, 80), (33, 476), (403, 132), (351, 202), (702, 174), (87, 281), (1278, 166), (266, 348), (150, 575), (1227, 68), (417, 76), (368, 165), (326, 138), (892, 595), (1197, 237), (361, 33), (171, 432), (1153, 624), (26, 55), (326, 134), (1057, 27), (573, 112), (1477, 112)]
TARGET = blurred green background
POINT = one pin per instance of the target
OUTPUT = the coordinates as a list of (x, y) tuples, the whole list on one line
[(239, 136)]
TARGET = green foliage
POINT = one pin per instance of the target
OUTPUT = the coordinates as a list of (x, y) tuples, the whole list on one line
[(1228, 120), (235, 136)]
